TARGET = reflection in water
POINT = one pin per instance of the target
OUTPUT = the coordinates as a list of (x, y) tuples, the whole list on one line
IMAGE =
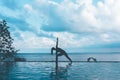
[(46, 71), (5, 68), (62, 73)]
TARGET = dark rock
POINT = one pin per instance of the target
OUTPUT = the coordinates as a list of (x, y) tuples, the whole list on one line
[(19, 59)]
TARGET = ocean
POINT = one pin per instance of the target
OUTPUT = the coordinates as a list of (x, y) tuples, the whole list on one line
[(41, 66)]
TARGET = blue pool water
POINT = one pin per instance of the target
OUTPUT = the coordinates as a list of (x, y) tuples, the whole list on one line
[(77, 71)]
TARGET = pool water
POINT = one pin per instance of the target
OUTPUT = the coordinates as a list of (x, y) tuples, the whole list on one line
[(46, 70)]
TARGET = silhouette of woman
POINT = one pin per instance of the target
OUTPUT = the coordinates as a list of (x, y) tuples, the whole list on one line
[(60, 52)]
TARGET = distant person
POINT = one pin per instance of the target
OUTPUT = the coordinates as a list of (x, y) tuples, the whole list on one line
[(60, 52), (91, 58)]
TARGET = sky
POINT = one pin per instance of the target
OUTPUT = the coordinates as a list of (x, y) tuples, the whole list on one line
[(80, 25)]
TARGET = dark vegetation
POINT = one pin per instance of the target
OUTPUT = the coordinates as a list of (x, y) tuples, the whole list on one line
[(7, 48)]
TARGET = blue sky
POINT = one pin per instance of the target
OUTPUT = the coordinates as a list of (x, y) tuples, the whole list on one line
[(81, 25)]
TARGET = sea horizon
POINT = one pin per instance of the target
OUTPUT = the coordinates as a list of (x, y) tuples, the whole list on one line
[(70, 52), (74, 56)]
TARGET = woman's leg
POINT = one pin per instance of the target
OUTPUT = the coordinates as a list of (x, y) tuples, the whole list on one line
[(68, 58)]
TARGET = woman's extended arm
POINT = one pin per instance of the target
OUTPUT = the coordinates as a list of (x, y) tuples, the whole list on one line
[(57, 43)]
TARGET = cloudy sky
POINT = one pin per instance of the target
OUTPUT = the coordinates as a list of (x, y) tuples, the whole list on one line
[(81, 25)]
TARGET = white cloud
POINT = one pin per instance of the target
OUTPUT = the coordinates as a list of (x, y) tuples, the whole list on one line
[(70, 40), (100, 23), (82, 17), (105, 37), (31, 41), (12, 13), (28, 7), (34, 17)]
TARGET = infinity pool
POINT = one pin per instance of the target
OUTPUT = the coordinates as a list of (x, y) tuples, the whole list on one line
[(46, 71), (37, 70)]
